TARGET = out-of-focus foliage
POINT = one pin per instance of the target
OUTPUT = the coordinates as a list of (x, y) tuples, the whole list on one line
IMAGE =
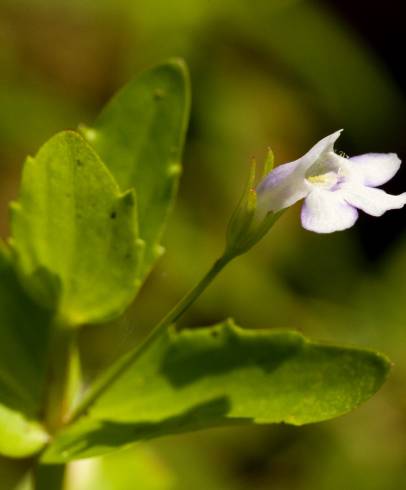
[(139, 467), (280, 73)]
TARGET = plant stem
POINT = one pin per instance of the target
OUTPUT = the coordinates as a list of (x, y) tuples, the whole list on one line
[(62, 359), (177, 311), (48, 477), (62, 376)]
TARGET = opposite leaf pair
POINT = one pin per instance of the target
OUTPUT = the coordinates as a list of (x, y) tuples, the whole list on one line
[(78, 235), (82, 240)]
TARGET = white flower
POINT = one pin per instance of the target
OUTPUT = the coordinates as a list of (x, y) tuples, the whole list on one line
[(333, 187)]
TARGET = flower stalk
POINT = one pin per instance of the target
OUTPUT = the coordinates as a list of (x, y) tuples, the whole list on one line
[(177, 311)]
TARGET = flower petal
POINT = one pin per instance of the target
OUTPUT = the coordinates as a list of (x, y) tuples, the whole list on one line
[(286, 184), (372, 201), (282, 187), (374, 169), (325, 145), (326, 211)]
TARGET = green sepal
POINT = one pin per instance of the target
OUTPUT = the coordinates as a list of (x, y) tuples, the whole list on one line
[(247, 226)]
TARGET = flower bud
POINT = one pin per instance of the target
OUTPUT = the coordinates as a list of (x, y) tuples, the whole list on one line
[(248, 224)]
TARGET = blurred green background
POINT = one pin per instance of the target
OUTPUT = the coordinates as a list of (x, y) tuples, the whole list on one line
[(280, 73)]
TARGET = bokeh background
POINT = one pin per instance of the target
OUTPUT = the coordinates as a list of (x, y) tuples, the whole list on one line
[(280, 73)]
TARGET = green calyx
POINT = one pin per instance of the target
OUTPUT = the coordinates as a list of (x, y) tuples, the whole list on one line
[(247, 226)]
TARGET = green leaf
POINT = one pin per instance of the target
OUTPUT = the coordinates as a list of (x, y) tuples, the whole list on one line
[(20, 437), (140, 136), (217, 376), (24, 333), (75, 234)]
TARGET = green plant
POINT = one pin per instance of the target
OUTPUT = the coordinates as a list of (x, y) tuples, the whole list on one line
[(86, 231)]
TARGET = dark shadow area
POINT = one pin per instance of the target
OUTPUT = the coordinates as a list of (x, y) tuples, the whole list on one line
[(24, 340), (221, 351), (97, 437), (382, 29), (48, 286)]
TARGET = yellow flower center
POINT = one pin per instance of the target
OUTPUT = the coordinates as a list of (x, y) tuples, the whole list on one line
[(326, 180)]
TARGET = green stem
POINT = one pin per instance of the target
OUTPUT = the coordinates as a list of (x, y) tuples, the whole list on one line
[(177, 311), (48, 477), (62, 358), (63, 369)]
